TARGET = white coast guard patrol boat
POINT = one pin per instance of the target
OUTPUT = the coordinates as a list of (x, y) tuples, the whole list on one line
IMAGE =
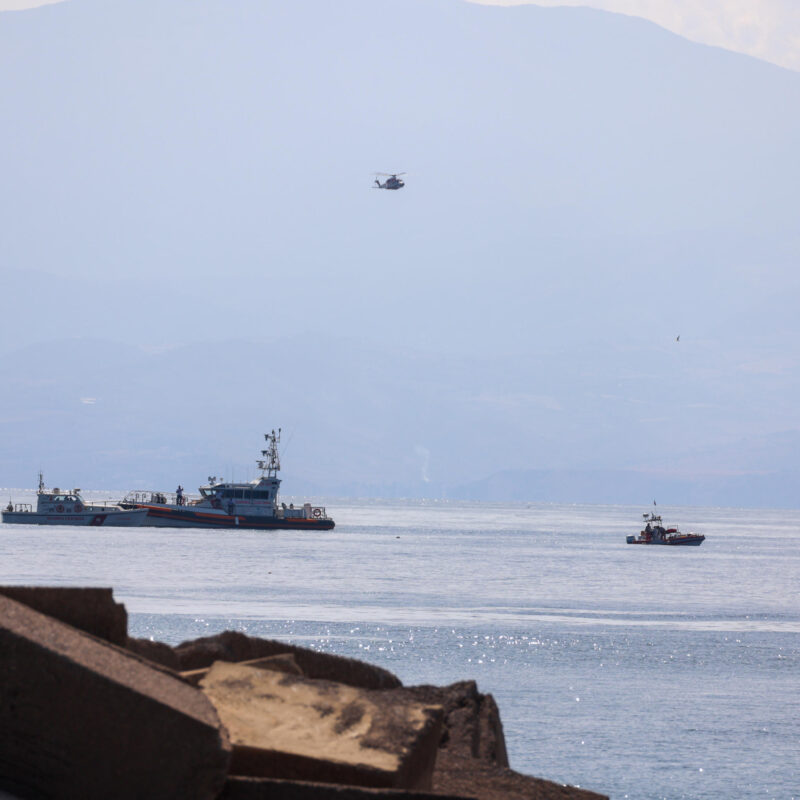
[(251, 505), (60, 507)]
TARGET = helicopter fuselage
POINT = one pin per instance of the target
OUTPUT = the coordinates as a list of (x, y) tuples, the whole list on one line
[(392, 182)]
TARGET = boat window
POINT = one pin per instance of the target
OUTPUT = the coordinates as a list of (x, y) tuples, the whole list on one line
[(238, 494), (261, 495), (227, 492), (248, 495)]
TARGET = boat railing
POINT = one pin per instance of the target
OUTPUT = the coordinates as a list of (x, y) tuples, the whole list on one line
[(153, 498), (23, 508), (306, 511)]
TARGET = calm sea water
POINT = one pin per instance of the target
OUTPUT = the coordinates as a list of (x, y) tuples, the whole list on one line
[(641, 672)]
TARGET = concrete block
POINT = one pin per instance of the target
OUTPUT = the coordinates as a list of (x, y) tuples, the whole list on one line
[(82, 718), (282, 663), (88, 609), (234, 646), (283, 726)]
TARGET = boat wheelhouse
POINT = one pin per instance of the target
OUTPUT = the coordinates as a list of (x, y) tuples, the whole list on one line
[(654, 532), (223, 504)]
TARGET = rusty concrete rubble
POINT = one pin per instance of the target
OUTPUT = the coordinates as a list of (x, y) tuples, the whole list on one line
[(86, 711)]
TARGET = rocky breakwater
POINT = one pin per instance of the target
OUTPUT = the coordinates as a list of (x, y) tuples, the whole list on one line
[(86, 711)]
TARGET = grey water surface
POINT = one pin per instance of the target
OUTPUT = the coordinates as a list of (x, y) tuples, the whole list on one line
[(640, 672)]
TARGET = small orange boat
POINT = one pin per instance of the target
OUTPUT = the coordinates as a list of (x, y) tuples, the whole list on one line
[(654, 532)]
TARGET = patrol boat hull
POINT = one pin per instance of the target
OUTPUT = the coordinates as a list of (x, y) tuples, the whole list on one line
[(106, 518), (159, 516)]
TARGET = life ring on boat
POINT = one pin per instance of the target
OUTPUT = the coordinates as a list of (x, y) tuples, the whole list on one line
[(317, 513), (77, 508), (60, 508)]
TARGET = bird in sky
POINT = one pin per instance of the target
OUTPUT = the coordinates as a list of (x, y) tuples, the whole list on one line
[(679, 338)]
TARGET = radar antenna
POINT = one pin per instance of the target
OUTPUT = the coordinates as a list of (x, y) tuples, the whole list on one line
[(271, 463)]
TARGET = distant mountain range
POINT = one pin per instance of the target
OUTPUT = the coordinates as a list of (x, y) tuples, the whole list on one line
[(365, 422)]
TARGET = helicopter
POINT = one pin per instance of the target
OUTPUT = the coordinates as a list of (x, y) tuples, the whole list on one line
[(392, 181)]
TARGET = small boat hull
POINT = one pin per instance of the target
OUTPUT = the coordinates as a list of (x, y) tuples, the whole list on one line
[(106, 518), (687, 541), (677, 541), (171, 517)]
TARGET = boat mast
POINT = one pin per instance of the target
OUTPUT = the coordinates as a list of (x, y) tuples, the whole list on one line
[(271, 462), (41, 482)]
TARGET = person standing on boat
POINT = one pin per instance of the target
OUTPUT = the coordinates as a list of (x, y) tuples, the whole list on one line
[(179, 495), (231, 508)]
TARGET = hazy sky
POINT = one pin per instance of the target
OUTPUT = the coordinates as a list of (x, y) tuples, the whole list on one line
[(768, 29), (582, 188)]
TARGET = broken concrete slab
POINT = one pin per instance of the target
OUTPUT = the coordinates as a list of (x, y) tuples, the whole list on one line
[(82, 718), (472, 725), (283, 663), (284, 726), (234, 647), (239, 788), (88, 609)]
